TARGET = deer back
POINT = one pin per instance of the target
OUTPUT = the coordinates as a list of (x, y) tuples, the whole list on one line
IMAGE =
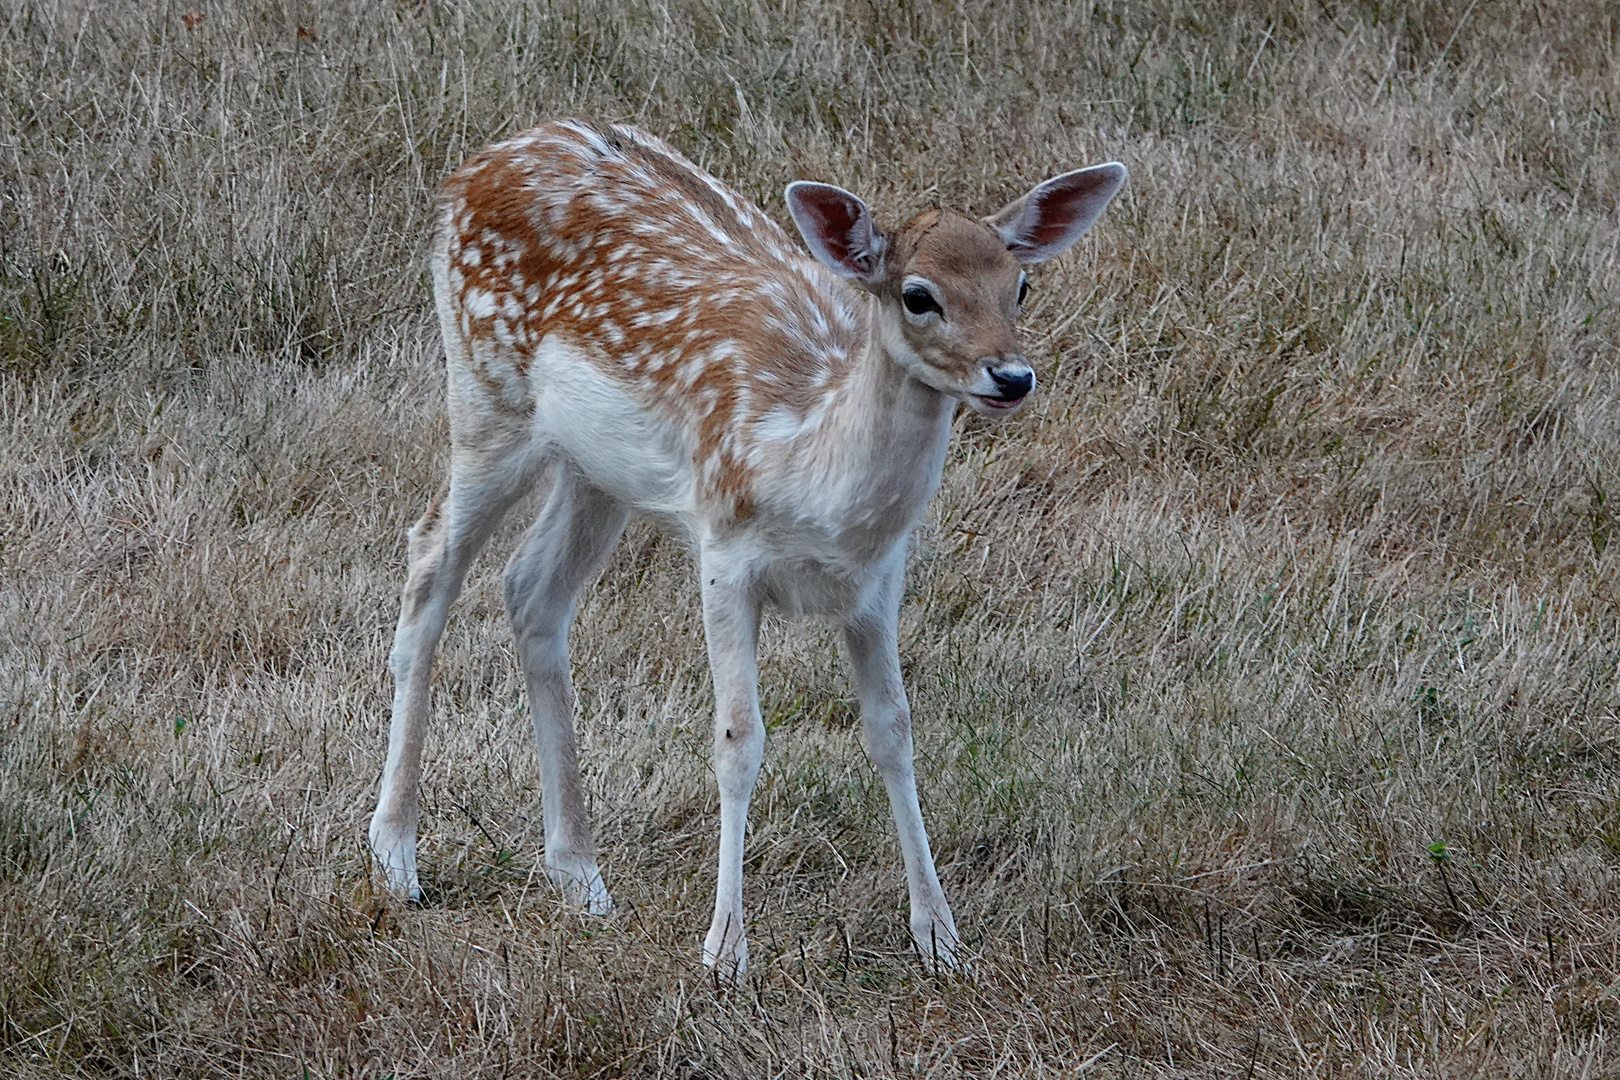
[(677, 289)]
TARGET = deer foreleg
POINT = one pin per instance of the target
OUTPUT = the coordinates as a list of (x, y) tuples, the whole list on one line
[(731, 625), (872, 639)]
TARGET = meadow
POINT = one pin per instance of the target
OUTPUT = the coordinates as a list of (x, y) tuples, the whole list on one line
[(1265, 669)]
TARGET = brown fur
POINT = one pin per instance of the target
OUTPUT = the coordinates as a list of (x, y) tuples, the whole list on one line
[(709, 313)]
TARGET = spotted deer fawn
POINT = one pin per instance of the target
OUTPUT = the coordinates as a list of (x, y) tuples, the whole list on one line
[(624, 328)]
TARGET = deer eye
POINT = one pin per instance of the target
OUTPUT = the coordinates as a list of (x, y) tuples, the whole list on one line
[(919, 301), (1023, 291)]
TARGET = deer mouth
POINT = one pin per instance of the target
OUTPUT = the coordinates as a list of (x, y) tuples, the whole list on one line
[(1001, 404)]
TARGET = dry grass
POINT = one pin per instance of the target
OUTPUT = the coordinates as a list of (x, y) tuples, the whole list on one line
[(1265, 674)]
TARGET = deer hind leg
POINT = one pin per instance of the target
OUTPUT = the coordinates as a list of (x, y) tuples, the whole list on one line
[(562, 552), (442, 546), (872, 640), (731, 627)]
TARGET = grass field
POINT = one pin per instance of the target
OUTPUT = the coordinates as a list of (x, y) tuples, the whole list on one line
[(1264, 670)]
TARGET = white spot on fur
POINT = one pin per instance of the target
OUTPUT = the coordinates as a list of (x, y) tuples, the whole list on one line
[(780, 423)]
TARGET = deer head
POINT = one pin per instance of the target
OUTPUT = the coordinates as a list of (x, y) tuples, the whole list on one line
[(949, 289)]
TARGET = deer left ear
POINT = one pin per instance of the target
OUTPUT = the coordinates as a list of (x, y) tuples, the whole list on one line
[(838, 227), (1054, 214)]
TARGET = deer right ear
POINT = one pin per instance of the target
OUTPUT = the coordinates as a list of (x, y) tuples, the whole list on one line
[(838, 227)]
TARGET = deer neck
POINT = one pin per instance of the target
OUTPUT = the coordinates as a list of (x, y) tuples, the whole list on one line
[(883, 446)]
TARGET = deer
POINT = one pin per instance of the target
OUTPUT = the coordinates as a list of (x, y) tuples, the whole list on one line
[(626, 332)]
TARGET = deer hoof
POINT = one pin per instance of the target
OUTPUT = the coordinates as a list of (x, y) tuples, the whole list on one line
[(939, 947), (395, 852), (725, 950), (583, 887)]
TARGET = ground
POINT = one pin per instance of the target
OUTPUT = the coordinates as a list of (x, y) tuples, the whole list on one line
[(1264, 670)]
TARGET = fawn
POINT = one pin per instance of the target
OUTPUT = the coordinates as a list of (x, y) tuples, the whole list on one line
[(625, 329)]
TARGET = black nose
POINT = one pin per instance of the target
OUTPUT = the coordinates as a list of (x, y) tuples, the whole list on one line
[(1014, 383)]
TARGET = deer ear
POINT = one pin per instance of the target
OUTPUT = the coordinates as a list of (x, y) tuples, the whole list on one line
[(1054, 214), (838, 227)]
